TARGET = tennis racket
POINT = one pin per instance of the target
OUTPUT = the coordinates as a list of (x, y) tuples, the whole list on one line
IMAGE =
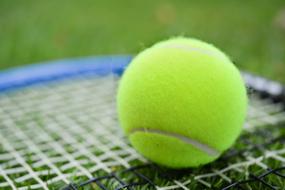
[(59, 130)]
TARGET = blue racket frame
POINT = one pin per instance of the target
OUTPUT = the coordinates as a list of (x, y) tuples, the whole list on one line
[(15, 78), (19, 77)]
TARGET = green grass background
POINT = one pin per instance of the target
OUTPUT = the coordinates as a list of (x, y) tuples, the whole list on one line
[(251, 32)]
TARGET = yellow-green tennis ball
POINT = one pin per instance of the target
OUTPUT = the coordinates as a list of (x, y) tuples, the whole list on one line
[(182, 103)]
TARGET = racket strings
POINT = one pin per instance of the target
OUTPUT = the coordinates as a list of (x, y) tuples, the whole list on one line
[(62, 133)]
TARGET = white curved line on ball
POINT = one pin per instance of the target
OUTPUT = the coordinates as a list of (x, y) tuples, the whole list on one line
[(186, 47), (203, 147)]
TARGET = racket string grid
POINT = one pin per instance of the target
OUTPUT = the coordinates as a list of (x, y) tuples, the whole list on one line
[(65, 134)]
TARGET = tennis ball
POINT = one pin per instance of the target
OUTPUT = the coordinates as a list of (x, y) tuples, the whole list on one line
[(182, 103)]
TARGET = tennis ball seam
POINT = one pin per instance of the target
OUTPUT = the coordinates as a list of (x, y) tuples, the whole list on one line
[(188, 48), (188, 140)]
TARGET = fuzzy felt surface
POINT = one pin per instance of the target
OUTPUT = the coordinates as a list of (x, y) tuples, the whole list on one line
[(185, 87)]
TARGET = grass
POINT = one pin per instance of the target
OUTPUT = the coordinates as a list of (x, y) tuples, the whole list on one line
[(251, 32)]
